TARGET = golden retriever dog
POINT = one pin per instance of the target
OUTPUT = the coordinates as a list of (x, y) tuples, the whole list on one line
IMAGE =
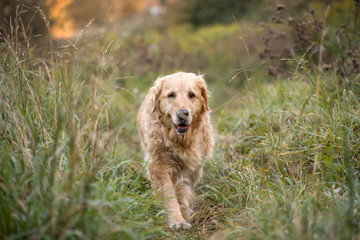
[(176, 136)]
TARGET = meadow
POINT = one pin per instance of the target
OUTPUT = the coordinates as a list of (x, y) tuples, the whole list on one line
[(286, 160)]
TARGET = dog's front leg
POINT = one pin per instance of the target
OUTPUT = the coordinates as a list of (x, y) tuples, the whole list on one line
[(161, 181), (185, 195)]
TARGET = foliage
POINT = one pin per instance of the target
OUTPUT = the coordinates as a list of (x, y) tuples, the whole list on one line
[(309, 37), (214, 51), (286, 164), (26, 17), (199, 12), (62, 174), (286, 160)]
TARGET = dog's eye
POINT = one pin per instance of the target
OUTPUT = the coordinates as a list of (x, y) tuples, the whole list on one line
[(171, 95), (191, 95)]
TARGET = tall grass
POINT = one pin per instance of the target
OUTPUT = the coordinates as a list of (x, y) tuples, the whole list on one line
[(62, 174), (289, 165)]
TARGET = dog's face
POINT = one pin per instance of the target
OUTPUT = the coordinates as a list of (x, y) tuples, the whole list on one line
[(180, 99)]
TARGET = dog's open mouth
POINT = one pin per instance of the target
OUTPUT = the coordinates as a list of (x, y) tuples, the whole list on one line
[(181, 128)]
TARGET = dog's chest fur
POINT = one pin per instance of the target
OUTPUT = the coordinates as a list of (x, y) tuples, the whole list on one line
[(189, 159), (184, 154)]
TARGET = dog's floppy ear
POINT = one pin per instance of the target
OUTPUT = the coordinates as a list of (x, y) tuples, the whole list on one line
[(204, 93), (156, 91)]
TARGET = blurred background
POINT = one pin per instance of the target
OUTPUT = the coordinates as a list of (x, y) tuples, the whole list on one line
[(68, 16), (224, 39)]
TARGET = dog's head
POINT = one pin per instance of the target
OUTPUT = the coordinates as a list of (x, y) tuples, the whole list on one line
[(180, 99)]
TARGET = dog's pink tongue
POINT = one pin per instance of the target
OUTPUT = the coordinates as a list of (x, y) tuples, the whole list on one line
[(182, 126)]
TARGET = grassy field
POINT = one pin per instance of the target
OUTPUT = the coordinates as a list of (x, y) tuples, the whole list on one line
[(286, 161)]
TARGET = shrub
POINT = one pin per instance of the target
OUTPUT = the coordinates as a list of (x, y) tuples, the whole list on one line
[(309, 38), (199, 12)]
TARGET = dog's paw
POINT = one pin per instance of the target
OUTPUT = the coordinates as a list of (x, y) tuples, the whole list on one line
[(182, 224), (186, 213)]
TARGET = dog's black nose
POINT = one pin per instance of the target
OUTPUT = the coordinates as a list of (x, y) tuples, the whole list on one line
[(183, 114)]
